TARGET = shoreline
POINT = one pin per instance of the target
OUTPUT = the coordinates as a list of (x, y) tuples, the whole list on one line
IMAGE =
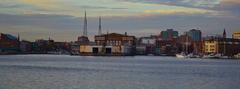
[(119, 56)]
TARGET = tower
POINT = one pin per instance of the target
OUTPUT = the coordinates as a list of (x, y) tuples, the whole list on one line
[(84, 38), (224, 33), (100, 26), (85, 25), (18, 38)]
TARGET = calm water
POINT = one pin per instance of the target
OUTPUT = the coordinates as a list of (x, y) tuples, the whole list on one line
[(74, 72)]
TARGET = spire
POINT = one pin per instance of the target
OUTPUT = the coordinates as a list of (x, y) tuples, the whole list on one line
[(18, 37), (100, 26), (224, 33), (85, 25)]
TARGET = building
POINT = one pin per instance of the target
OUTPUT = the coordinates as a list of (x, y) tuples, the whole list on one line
[(43, 46), (115, 39), (98, 50), (9, 44), (236, 35), (195, 41), (196, 35), (149, 43), (110, 44), (166, 47), (224, 46), (169, 34), (151, 40), (84, 38), (26, 46)]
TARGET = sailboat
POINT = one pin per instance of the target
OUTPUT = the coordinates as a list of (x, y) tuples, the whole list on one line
[(181, 55)]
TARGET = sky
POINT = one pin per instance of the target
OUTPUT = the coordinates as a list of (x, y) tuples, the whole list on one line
[(62, 20)]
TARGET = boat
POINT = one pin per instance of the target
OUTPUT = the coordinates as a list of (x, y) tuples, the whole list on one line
[(181, 55), (213, 56), (237, 56), (191, 55)]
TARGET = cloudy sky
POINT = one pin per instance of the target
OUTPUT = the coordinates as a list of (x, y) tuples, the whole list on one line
[(62, 20)]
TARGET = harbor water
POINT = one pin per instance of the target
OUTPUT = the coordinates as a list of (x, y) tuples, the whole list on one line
[(139, 72)]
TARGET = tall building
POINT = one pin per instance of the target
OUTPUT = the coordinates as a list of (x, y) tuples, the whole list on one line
[(169, 34), (100, 26), (236, 35), (84, 38), (196, 35), (85, 25)]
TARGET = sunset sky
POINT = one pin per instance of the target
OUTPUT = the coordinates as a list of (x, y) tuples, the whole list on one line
[(62, 20)]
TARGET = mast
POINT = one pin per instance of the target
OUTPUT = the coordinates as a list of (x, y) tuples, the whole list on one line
[(186, 44)]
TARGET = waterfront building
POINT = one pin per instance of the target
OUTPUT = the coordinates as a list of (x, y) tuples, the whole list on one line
[(115, 39), (236, 35), (151, 40), (224, 46), (26, 46), (43, 46), (169, 34), (111, 50), (111, 44), (9, 43), (149, 43), (166, 47), (141, 50)]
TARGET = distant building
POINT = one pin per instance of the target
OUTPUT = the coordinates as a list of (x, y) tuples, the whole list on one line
[(115, 39), (185, 43), (84, 38), (149, 43), (110, 44), (169, 34), (166, 47), (224, 34), (9, 44), (196, 35), (225, 46), (43, 46), (26, 46), (236, 35), (81, 40), (195, 41), (151, 40)]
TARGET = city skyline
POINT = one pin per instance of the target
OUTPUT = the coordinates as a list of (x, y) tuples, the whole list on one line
[(62, 20)]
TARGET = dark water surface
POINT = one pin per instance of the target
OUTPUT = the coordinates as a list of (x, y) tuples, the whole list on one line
[(141, 72)]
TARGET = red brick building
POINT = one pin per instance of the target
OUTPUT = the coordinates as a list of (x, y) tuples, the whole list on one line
[(9, 43)]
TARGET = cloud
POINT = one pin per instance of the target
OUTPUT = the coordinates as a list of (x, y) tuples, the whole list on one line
[(44, 4), (179, 10), (221, 7), (182, 3), (67, 28), (230, 6)]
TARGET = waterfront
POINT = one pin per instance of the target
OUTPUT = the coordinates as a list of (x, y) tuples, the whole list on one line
[(139, 72)]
